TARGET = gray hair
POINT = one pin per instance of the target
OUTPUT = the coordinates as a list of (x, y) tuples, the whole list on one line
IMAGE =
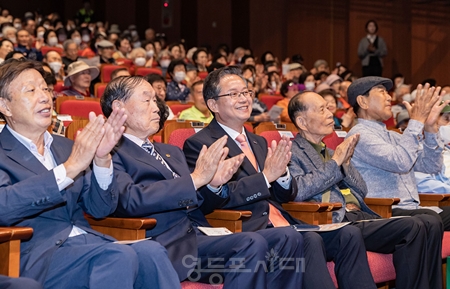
[(120, 88), (67, 43)]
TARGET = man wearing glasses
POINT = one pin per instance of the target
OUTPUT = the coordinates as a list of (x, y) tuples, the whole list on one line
[(263, 182)]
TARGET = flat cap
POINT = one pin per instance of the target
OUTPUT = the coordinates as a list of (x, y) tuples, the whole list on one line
[(363, 85)]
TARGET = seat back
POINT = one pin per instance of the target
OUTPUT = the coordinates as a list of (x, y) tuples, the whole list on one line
[(143, 71), (276, 135), (46, 49), (173, 126), (202, 74), (75, 126), (59, 86), (106, 70), (61, 99), (179, 136), (177, 106), (80, 108), (124, 61), (269, 100), (269, 126), (334, 139), (99, 88)]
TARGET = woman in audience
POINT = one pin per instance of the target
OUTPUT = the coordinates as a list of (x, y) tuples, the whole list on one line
[(288, 90), (200, 59), (139, 57), (176, 90), (51, 39), (307, 79), (123, 48), (267, 56), (347, 118), (273, 83), (159, 85), (174, 50)]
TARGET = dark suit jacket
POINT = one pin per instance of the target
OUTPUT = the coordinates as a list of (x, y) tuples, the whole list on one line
[(29, 196), (314, 177), (247, 188), (148, 189)]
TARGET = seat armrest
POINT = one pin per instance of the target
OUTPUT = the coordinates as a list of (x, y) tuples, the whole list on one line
[(10, 238), (122, 228), (123, 223), (232, 220), (432, 199), (312, 212), (382, 206)]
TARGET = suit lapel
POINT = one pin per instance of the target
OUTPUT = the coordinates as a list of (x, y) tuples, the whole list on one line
[(17, 152), (142, 156), (217, 132), (309, 152)]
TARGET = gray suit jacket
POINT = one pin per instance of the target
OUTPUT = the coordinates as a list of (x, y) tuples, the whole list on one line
[(314, 177)]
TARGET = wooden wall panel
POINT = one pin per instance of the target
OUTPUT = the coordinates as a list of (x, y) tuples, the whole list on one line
[(214, 22)]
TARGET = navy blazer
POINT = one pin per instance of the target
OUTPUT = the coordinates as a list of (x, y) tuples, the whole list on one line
[(29, 196), (247, 188), (314, 177), (148, 189)]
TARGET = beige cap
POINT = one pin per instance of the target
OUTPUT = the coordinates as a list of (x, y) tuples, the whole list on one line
[(79, 66)]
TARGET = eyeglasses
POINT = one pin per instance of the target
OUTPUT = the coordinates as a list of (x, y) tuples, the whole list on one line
[(236, 95)]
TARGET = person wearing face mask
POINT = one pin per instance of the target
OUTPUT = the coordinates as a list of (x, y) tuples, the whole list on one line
[(439, 183), (138, 55), (51, 39), (53, 59), (307, 78), (176, 90)]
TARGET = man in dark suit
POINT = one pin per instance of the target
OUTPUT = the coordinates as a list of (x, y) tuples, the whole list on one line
[(263, 181), (46, 184), (154, 181), (324, 175)]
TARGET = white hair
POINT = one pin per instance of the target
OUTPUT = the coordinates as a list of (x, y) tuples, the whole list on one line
[(7, 29)]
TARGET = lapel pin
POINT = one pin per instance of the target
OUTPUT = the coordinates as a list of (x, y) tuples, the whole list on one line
[(254, 142), (168, 155)]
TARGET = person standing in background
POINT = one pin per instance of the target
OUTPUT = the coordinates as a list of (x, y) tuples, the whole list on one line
[(371, 50)]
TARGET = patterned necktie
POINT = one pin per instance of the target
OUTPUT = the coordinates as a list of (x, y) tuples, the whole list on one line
[(275, 217), (150, 148)]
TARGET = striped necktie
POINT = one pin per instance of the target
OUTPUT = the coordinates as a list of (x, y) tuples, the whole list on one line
[(150, 149)]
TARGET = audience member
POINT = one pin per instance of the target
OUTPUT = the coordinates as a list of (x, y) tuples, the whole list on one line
[(160, 86), (288, 90), (6, 46), (386, 159), (123, 47), (49, 186), (325, 176), (200, 59), (79, 77), (199, 111), (154, 181), (71, 53), (438, 182), (176, 90), (23, 45), (122, 71), (371, 50), (53, 59), (105, 51), (346, 120), (264, 170)]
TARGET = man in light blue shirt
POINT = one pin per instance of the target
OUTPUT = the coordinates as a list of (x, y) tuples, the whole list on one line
[(387, 160)]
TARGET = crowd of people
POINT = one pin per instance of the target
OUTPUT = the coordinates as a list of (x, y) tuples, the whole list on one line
[(48, 182)]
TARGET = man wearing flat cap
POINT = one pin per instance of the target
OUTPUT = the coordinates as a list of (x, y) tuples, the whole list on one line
[(105, 51), (79, 77), (386, 159)]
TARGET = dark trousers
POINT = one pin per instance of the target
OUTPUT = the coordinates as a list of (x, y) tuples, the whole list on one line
[(18, 283), (346, 248), (444, 216), (415, 242), (89, 261), (372, 70), (270, 258)]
